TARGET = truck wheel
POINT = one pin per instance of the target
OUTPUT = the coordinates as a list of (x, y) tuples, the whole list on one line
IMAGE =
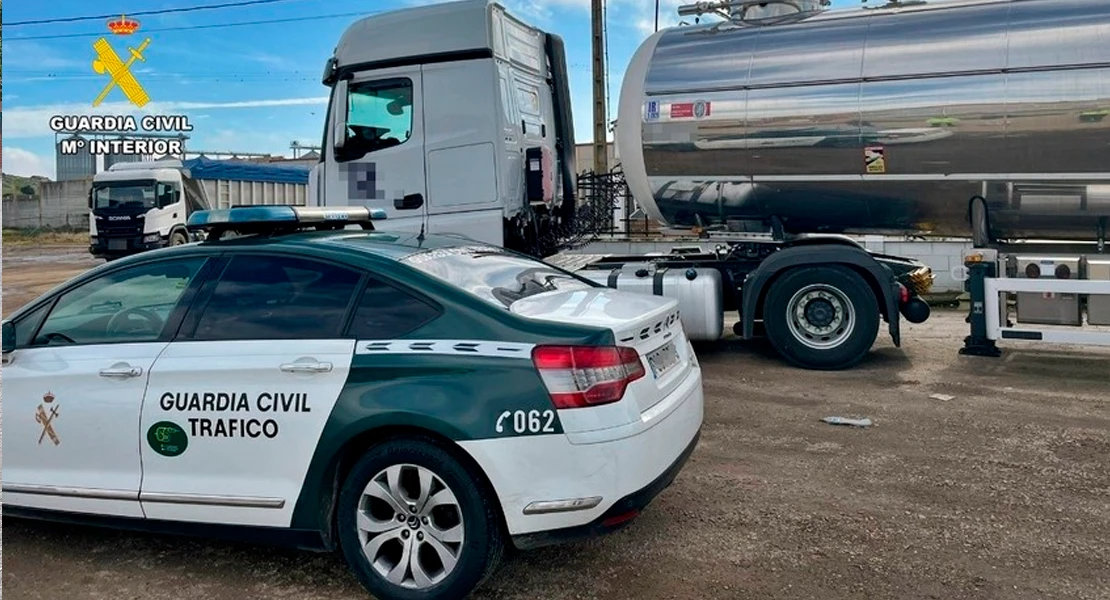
[(415, 523), (821, 317), (178, 238)]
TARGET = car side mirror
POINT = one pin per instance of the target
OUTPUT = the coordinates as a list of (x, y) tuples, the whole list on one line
[(9, 336), (409, 202)]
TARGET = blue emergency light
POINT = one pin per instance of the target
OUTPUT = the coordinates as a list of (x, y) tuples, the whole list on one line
[(280, 218)]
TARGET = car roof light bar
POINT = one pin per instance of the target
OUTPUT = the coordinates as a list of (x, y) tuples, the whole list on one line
[(274, 219)]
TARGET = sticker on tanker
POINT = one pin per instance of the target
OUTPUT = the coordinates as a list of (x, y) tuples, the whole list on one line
[(687, 110), (875, 159)]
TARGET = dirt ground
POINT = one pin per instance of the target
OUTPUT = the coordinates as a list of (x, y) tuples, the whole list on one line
[(1001, 491), (30, 270)]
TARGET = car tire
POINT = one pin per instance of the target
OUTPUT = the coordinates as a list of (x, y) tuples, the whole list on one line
[(178, 238), (405, 466), (823, 318)]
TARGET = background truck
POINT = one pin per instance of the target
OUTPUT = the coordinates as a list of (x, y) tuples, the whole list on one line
[(773, 135), (144, 205)]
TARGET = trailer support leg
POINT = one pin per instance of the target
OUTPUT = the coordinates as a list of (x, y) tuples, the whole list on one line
[(978, 344)]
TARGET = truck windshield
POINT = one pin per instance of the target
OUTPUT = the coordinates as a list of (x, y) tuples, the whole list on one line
[(129, 195), (494, 275)]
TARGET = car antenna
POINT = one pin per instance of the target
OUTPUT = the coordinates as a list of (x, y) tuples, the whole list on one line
[(423, 222)]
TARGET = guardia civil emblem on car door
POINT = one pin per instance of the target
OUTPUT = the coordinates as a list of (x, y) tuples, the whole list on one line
[(46, 420)]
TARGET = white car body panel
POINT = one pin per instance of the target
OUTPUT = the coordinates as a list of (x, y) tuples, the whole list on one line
[(95, 466), (257, 473)]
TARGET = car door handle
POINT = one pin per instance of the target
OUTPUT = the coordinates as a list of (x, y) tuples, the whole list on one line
[(121, 372), (306, 367)]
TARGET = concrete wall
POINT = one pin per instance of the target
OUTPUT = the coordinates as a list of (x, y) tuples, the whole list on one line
[(584, 157), (62, 204), (65, 203)]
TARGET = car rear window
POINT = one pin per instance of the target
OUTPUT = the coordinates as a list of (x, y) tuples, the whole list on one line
[(494, 275)]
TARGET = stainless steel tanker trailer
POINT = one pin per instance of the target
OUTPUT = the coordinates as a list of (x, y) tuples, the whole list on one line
[(784, 125)]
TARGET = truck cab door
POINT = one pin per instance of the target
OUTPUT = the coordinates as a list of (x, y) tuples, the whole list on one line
[(375, 145), (167, 212)]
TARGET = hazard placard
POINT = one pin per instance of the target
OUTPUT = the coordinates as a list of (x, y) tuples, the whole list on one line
[(875, 159)]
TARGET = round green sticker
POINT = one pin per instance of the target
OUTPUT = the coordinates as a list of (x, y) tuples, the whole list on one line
[(167, 439)]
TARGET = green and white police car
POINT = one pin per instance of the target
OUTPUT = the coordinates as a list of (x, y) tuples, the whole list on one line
[(419, 402)]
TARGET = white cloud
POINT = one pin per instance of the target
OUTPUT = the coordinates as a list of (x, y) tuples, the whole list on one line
[(35, 56), (34, 121), (232, 140), (24, 163)]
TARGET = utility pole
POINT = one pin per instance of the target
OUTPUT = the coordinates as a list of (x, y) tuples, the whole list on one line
[(601, 147)]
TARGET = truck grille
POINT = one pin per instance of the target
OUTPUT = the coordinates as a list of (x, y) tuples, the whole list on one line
[(108, 228)]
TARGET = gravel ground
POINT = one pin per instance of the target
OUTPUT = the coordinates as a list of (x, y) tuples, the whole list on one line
[(1001, 491)]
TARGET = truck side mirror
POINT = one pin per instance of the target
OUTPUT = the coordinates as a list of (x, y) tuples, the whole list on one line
[(339, 116), (409, 202), (9, 336)]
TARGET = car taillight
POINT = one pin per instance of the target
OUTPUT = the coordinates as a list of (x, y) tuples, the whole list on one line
[(580, 376)]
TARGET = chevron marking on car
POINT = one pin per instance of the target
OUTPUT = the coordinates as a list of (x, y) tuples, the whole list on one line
[(487, 348)]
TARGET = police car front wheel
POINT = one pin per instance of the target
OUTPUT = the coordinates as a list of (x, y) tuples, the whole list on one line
[(414, 522)]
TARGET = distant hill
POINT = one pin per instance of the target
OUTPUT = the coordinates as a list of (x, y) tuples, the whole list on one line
[(14, 184)]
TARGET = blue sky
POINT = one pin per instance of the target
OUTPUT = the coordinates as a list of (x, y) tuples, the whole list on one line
[(246, 88)]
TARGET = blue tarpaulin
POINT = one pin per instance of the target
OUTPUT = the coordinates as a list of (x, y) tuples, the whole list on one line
[(206, 168)]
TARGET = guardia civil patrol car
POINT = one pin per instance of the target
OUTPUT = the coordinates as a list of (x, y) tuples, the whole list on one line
[(419, 402)]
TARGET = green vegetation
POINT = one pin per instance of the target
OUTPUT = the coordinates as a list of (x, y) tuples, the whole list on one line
[(29, 186), (46, 236)]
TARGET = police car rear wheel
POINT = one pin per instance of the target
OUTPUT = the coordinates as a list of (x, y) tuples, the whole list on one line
[(413, 523)]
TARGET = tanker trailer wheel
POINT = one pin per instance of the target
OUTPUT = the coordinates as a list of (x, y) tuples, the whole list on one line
[(821, 317)]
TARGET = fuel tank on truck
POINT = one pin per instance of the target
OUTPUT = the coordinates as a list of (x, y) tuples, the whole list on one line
[(877, 120)]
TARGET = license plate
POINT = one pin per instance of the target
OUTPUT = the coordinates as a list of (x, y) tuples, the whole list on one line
[(662, 359), (117, 244)]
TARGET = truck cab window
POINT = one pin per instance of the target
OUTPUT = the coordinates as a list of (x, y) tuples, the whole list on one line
[(125, 195), (379, 114), (166, 195)]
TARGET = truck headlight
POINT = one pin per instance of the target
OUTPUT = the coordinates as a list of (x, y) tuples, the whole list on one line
[(151, 238)]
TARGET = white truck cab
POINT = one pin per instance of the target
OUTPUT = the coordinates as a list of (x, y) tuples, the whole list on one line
[(138, 206), (453, 118)]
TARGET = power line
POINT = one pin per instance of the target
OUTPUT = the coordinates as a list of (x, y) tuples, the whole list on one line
[(248, 73), (208, 26), (164, 11)]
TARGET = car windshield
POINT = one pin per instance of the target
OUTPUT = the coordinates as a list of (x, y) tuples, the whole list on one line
[(130, 195), (494, 275)]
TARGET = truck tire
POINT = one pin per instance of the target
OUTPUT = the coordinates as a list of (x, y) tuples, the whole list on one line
[(178, 238), (401, 551), (823, 318)]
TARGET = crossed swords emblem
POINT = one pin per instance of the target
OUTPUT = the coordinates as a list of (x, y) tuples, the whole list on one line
[(47, 423), (109, 62)]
